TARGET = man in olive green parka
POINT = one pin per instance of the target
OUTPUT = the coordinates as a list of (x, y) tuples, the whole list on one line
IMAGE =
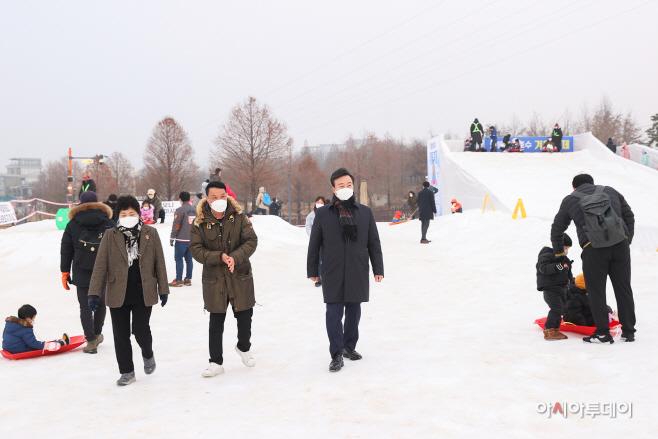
[(222, 240)]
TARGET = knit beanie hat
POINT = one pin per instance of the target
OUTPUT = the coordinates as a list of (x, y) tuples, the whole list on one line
[(580, 281), (88, 197)]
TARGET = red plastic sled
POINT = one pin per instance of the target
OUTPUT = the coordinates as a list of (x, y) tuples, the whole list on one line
[(585, 330), (76, 342)]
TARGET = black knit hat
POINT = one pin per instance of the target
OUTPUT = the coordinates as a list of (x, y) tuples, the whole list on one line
[(567, 240)]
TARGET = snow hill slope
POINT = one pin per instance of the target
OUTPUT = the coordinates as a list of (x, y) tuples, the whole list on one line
[(543, 180), (448, 344)]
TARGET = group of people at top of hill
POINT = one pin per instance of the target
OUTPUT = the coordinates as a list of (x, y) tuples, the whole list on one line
[(475, 142)]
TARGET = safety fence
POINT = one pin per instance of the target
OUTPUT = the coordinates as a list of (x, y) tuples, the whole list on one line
[(15, 212)]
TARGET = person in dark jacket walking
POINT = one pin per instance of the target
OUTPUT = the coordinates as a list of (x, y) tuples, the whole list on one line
[(132, 265), (216, 176), (223, 239), (426, 210), (111, 203), (552, 279), (557, 137), (601, 262), (87, 185), (611, 145), (81, 240), (493, 135), (180, 240), (476, 134), (347, 233)]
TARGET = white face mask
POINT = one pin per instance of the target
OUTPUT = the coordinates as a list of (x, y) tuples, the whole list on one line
[(129, 221), (345, 193), (317, 206), (219, 205)]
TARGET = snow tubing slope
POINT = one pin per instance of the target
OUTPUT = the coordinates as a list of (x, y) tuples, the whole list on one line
[(76, 342), (543, 180), (585, 330)]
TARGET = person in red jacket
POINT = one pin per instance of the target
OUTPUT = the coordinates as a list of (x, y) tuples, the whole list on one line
[(456, 207)]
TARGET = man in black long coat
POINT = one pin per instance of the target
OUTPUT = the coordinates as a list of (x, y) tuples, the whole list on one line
[(557, 137), (426, 210), (476, 134), (347, 233)]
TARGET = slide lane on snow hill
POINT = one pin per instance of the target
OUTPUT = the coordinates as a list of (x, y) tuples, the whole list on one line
[(543, 180)]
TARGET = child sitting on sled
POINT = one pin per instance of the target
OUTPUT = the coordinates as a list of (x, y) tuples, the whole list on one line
[(455, 207), (552, 279), (147, 213), (578, 311), (398, 217), (18, 336)]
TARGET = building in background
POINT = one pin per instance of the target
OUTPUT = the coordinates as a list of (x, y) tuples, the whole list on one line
[(19, 180)]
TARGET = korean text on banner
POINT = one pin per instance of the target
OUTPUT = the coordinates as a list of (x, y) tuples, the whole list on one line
[(170, 209), (433, 171), (7, 213), (531, 144)]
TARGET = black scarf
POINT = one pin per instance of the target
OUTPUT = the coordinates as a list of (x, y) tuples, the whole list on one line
[(346, 218), (132, 240)]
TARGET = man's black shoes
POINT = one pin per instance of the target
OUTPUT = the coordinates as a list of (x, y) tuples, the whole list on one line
[(627, 337), (336, 363), (599, 339), (351, 354)]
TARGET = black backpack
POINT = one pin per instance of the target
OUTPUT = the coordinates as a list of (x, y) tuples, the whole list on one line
[(87, 247), (603, 227)]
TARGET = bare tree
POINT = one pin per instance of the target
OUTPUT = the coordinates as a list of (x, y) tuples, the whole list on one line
[(52, 184), (122, 172), (253, 147), (169, 160), (537, 127)]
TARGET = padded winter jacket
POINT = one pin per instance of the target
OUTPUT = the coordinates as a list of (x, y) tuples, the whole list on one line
[(578, 310), (309, 222), (210, 238), (87, 216), (551, 274), (570, 210), (18, 337), (156, 204), (183, 221)]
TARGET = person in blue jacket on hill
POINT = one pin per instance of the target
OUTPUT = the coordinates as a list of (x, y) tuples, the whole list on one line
[(493, 134), (18, 336)]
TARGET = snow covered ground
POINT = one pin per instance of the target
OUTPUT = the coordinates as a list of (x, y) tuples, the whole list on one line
[(448, 344)]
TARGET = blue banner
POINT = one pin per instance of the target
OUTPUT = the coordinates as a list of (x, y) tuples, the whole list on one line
[(531, 144)]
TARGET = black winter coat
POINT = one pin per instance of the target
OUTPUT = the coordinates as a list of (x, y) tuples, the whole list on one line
[(557, 137), (426, 205), (476, 135), (570, 210), (275, 208), (115, 214), (345, 267), (86, 186), (550, 274), (88, 216), (578, 310), (611, 146)]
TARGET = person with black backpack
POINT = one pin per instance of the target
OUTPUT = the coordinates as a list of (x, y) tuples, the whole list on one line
[(605, 225), (88, 222)]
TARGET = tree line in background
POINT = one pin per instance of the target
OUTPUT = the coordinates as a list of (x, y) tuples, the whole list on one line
[(253, 149)]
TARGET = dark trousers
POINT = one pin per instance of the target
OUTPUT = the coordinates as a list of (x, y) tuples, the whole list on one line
[(424, 225), (216, 333), (183, 256), (92, 322), (341, 337), (161, 215), (598, 264), (494, 140), (261, 211), (556, 299), (141, 315)]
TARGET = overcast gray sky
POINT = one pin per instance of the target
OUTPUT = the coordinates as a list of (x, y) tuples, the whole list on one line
[(97, 76)]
